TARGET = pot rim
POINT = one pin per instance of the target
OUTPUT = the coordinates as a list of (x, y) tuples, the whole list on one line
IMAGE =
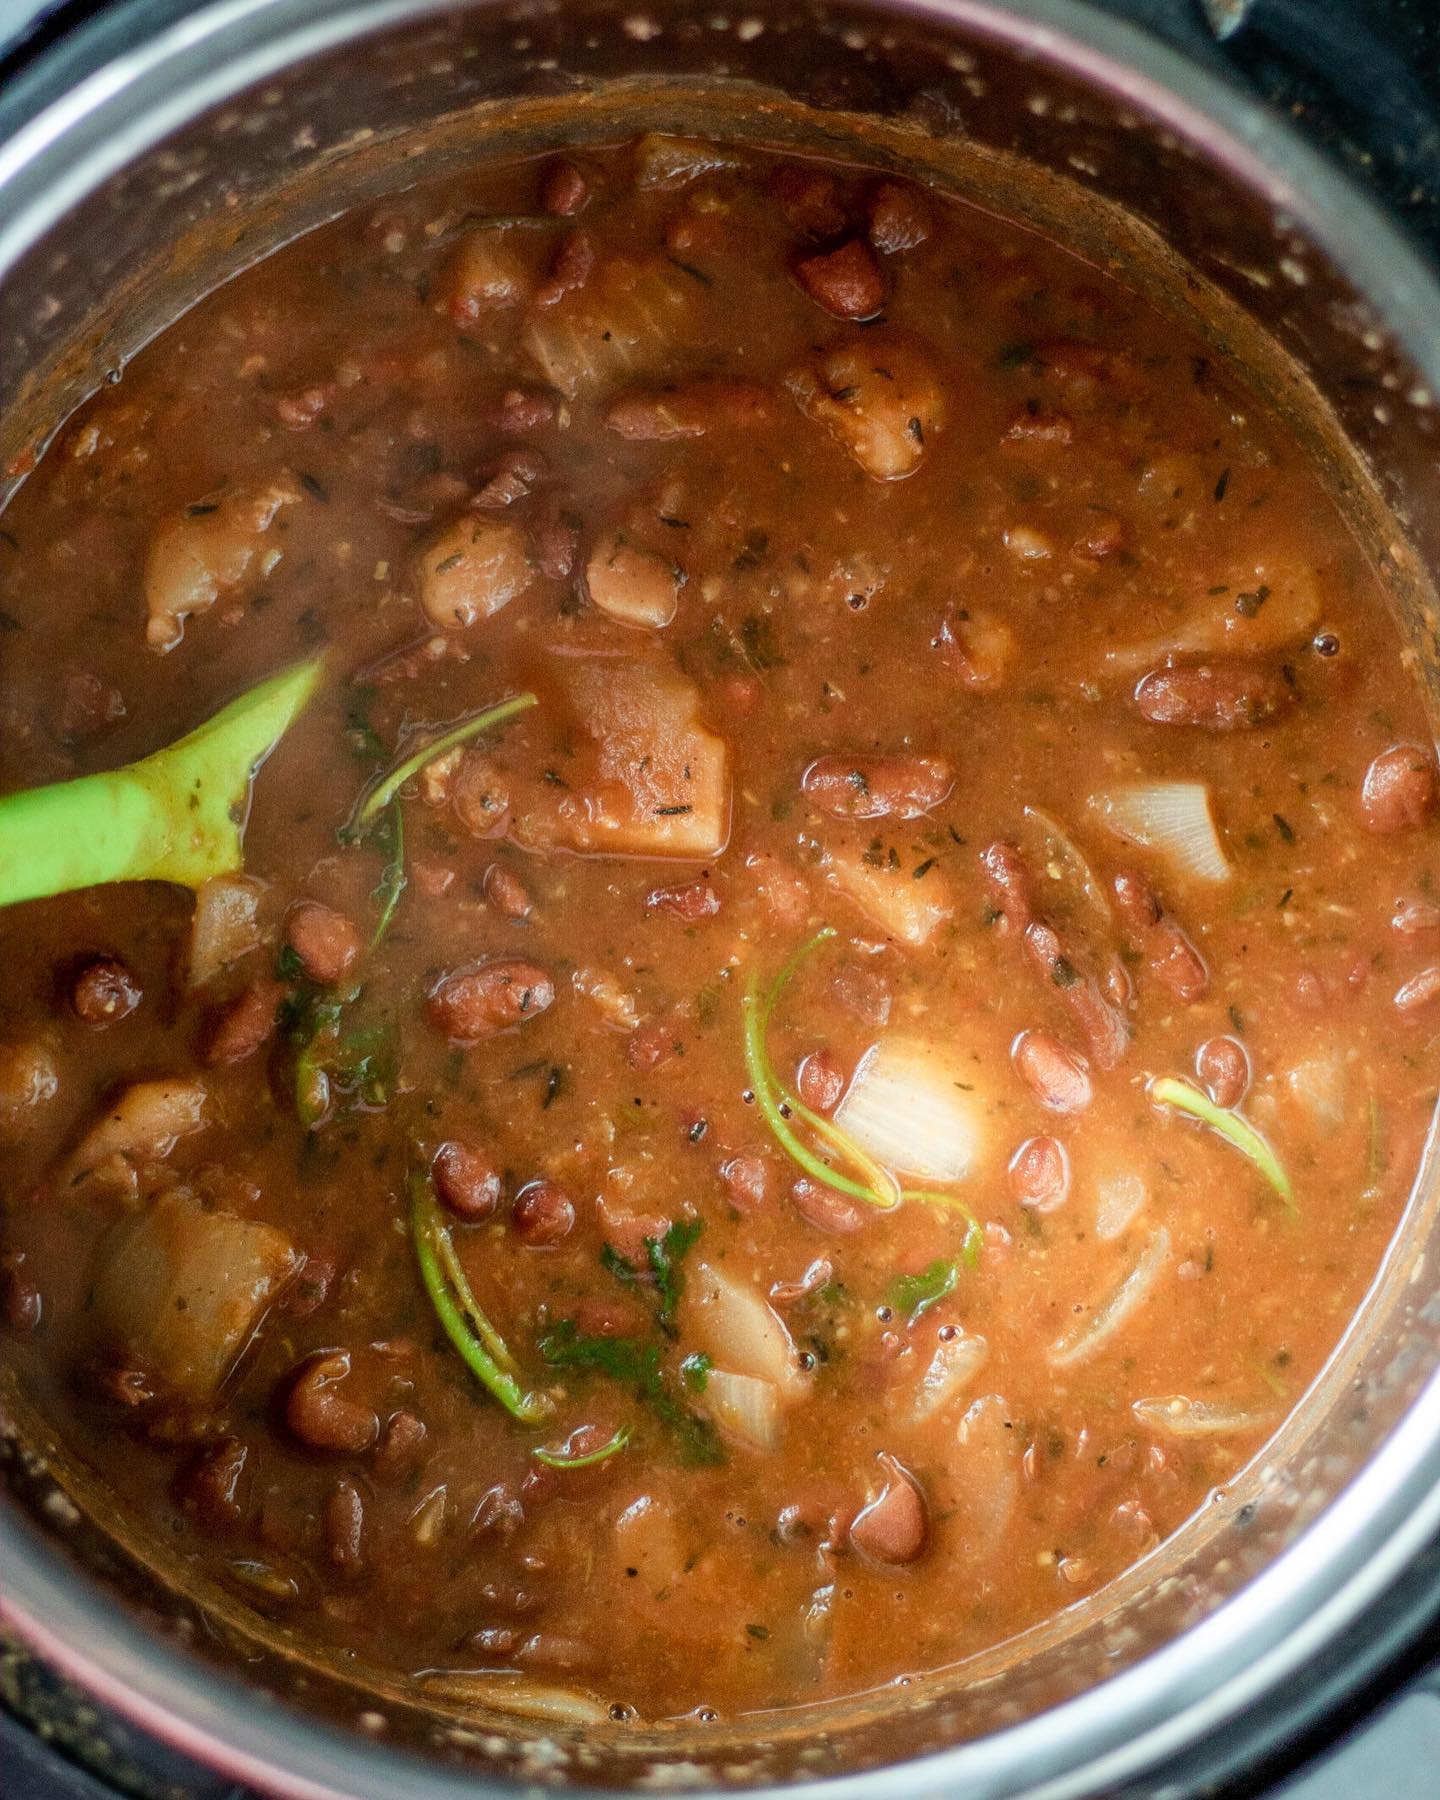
[(1364, 1539)]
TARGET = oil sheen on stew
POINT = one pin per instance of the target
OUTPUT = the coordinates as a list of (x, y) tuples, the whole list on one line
[(825, 1131)]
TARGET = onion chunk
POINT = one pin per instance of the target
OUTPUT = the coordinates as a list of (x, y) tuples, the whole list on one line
[(1173, 818), (908, 1106)]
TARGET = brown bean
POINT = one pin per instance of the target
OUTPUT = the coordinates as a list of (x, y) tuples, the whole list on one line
[(543, 1214), (244, 1024), (1101, 1024), (847, 282), (825, 1209), (1057, 1076), (819, 1081), (506, 892), (1103, 535), (516, 476), (877, 787), (894, 1526), (212, 1485), (499, 1514), (652, 1044), (899, 218), (326, 942), (466, 1180), (563, 189), (1009, 882), (1037, 424), (519, 412), (782, 891), (1175, 962), (747, 1181), (401, 1447), (573, 266), (1419, 991), (344, 1524), (301, 407), (1040, 1174), (21, 1306), (493, 1640), (1398, 792), (479, 792), (809, 199), (663, 415), (474, 1003), (1415, 918), (104, 992), (28, 1078), (88, 706), (1223, 695), (1223, 1064), (320, 1416), (691, 901)]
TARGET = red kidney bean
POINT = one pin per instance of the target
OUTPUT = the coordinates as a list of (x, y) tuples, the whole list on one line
[(21, 1306), (319, 1415), (691, 902), (479, 793), (1398, 792), (819, 1081), (899, 218), (1421, 990), (1057, 1076), (1223, 1064), (809, 199), (519, 412), (563, 189), (506, 892), (466, 1180), (847, 282), (1223, 695), (212, 1484), (1037, 424), (243, 1025), (1040, 1174), (105, 991), (1009, 882), (747, 1181), (344, 1525), (326, 942), (652, 1043), (401, 1448), (573, 266), (1102, 536), (825, 1209), (1415, 918), (543, 1214), (894, 1526), (470, 1004), (877, 787)]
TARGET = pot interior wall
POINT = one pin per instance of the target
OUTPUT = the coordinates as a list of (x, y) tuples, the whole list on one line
[(1006, 129)]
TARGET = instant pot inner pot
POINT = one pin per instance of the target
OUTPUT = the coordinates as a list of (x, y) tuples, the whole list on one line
[(111, 230)]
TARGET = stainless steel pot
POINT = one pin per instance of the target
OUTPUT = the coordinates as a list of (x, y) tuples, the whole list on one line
[(190, 148)]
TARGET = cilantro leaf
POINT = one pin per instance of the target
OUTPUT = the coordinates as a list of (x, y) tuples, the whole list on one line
[(914, 1294)]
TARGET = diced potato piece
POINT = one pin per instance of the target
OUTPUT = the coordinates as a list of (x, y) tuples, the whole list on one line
[(622, 325), (646, 777), (889, 896), (471, 569), (488, 272), (223, 927), (878, 396), (205, 552), (1257, 611), (672, 162), (180, 1291), (631, 585), (142, 1126)]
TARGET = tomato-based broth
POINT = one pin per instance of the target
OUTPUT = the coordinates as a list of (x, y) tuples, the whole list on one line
[(826, 1014)]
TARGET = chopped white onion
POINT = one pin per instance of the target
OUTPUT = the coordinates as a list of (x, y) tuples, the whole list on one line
[(1321, 1084), (744, 1408), (740, 1330), (1085, 1339), (955, 1364), (1063, 860), (1172, 817), (909, 1107), (1179, 1416), (497, 1691), (1118, 1200)]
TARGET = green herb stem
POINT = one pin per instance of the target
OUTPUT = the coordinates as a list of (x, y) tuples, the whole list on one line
[(557, 1459), (379, 796), (1185, 1097), (460, 1314), (393, 879)]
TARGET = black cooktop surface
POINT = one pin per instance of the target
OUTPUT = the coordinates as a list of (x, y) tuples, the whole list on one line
[(1362, 78)]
